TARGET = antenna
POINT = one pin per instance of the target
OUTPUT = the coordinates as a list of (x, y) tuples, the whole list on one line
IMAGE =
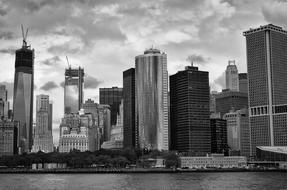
[(190, 59), (24, 36)]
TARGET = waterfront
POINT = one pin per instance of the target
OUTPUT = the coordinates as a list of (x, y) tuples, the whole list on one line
[(239, 180)]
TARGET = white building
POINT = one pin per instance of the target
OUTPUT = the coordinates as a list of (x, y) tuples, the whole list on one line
[(152, 99), (231, 76), (213, 161)]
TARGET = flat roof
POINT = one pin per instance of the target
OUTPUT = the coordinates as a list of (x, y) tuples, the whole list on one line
[(265, 27)]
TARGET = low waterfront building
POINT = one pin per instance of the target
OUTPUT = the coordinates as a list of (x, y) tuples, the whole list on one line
[(271, 153), (8, 138), (77, 131), (213, 161)]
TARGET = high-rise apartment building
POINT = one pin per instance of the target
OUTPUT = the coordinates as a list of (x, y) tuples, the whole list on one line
[(189, 111), (267, 85), (23, 96), (113, 97), (218, 135), (243, 82), (152, 99), (238, 131), (231, 76), (230, 100), (43, 139), (73, 90), (130, 130)]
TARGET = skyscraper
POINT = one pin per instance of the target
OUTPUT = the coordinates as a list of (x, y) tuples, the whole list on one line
[(231, 76), (267, 70), (152, 99), (4, 104), (130, 130), (113, 97), (218, 135), (23, 95), (73, 90), (243, 82), (43, 139), (189, 111)]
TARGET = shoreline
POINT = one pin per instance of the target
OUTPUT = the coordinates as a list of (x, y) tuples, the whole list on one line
[(126, 171)]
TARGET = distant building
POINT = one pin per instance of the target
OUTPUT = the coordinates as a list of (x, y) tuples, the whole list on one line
[(43, 139), (4, 104), (77, 132), (230, 100), (189, 111), (271, 153), (238, 131), (151, 78), (113, 97), (231, 76), (23, 96), (130, 129), (243, 82), (73, 89), (8, 138), (267, 70), (218, 135), (213, 102)]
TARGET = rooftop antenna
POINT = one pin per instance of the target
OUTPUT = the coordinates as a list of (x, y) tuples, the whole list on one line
[(24, 36), (190, 59)]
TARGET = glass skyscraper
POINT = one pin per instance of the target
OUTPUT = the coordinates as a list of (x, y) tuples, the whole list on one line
[(152, 99), (23, 96), (73, 90)]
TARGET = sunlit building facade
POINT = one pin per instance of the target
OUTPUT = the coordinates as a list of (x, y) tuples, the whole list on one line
[(73, 89), (152, 99), (23, 96), (231, 76)]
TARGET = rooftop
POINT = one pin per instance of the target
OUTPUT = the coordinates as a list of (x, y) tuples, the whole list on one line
[(276, 149), (265, 27)]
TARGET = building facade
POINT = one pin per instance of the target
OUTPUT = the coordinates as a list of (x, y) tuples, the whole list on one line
[(189, 111), (243, 82), (218, 129), (23, 96), (152, 99), (230, 100), (8, 138), (77, 131), (43, 138), (129, 120), (73, 90), (231, 76), (113, 97), (4, 104), (267, 71)]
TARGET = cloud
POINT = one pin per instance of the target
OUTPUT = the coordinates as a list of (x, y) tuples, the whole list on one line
[(9, 88), (91, 82), (66, 48), (10, 51), (51, 61), (275, 12), (6, 35), (220, 81), (49, 86)]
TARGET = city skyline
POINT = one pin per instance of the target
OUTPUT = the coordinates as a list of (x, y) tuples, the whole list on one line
[(61, 37)]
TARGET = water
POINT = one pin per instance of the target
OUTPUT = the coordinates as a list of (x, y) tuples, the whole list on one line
[(245, 180)]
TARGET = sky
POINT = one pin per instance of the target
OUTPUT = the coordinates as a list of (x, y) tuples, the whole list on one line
[(104, 36)]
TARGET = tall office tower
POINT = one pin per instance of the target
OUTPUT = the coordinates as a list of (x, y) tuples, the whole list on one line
[(8, 137), (218, 135), (73, 90), (23, 95), (130, 130), (113, 97), (43, 139), (243, 82), (4, 104), (189, 111), (212, 101), (151, 99), (267, 85), (230, 100), (238, 131), (231, 76)]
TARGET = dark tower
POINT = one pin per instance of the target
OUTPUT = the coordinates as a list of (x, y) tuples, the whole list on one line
[(23, 94)]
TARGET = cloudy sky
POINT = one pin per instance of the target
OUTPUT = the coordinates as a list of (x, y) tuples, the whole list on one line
[(104, 36)]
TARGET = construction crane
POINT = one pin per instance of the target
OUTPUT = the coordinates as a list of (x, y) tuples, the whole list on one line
[(69, 65), (24, 35)]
